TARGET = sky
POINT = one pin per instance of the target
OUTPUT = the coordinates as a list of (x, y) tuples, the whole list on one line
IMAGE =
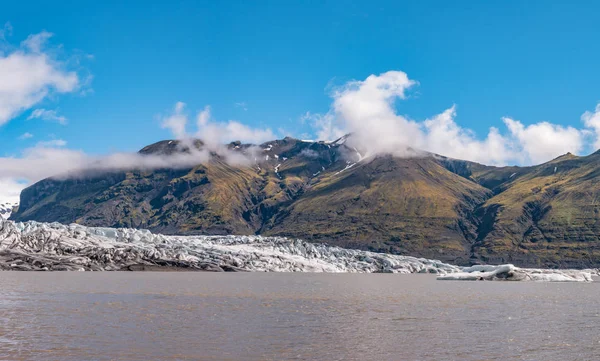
[(498, 82)]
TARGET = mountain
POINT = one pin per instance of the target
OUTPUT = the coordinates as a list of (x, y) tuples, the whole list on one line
[(424, 205), (547, 215)]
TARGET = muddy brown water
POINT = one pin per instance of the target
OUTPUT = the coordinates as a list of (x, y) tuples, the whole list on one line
[(267, 316)]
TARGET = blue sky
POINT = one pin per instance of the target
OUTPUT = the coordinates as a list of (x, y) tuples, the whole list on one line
[(531, 61)]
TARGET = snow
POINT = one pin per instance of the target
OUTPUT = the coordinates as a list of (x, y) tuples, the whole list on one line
[(511, 273), (268, 148), (277, 170), (341, 140), (512, 175), (360, 157), (267, 157), (348, 166), (555, 169), (256, 162)]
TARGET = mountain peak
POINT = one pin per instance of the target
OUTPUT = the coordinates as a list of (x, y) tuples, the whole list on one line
[(168, 147), (566, 156)]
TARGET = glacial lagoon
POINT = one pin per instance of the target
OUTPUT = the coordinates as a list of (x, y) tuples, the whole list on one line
[(292, 316)]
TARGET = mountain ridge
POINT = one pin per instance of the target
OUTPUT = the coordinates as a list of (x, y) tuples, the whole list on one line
[(426, 205)]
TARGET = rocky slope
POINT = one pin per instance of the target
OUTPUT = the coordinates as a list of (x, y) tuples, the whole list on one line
[(423, 205)]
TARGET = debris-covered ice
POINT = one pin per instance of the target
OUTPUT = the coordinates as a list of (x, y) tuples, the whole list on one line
[(53, 246), (509, 272)]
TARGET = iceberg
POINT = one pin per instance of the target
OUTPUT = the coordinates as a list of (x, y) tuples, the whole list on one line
[(509, 272)]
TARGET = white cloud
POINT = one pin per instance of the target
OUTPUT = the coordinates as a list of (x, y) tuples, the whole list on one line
[(367, 109), (41, 161), (216, 133), (203, 117), (49, 115), (543, 141), (211, 132), (233, 130), (592, 121), (325, 125), (177, 121), (28, 75), (26, 135), (442, 135), (10, 190)]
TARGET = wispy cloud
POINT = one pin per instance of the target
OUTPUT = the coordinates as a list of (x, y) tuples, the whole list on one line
[(35, 42), (52, 143), (325, 125), (53, 159), (49, 115), (242, 105), (6, 30), (26, 135)]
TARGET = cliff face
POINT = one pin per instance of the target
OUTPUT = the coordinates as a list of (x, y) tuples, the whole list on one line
[(427, 205)]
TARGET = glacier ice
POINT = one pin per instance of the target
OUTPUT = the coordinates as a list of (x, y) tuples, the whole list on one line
[(509, 272), (6, 209), (53, 246)]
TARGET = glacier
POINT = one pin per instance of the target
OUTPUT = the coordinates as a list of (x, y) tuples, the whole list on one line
[(53, 246), (34, 246)]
